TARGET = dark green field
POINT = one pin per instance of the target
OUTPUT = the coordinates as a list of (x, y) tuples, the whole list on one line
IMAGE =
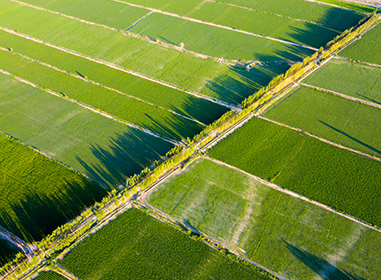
[(38, 194), (49, 275), (338, 178), (138, 246), (7, 252)]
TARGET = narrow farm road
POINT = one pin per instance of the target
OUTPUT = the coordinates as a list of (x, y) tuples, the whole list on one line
[(19, 243)]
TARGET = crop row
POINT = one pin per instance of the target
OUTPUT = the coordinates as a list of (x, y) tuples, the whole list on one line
[(332, 176)]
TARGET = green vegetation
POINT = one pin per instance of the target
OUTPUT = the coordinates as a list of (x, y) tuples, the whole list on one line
[(181, 69), (237, 210), (266, 24), (334, 17), (353, 79), (103, 149), (366, 49), (158, 94), (138, 246), (7, 252), (328, 116), (49, 275), (350, 5), (123, 107), (38, 194), (335, 177), (219, 42)]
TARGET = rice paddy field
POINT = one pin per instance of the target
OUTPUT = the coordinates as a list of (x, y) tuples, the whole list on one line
[(290, 236), (341, 179), (367, 49), (342, 121), (49, 275), (103, 149), (138, 246), (349, 78), (38, 194)]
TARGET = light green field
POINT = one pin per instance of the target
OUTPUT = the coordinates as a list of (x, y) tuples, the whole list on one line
[(299, 9), (341, 179), (339, 120), (49, 275), (287, 235), (353, 79), (138, 246), (367, 49), (103, 149), (169, 98), (38, 194), (155, 119), (181, 69)]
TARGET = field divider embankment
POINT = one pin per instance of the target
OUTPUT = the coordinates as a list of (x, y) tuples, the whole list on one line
[(277, 15), (319, 138), (119, 68), (332, 5), (101, 85), (358, 61), (288, 192), (97, 111), (216, 25), (372, 104)]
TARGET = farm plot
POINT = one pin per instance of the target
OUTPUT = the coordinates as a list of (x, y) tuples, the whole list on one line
[(334, 17), (353, 79), (319, 171), (7, 252), (285, 28), (103, 149), (334, 118), (367, 49), (38, 194), (138, 246), (169, 65), (114, 103), (49, 275), (304, 240), (166, 97)]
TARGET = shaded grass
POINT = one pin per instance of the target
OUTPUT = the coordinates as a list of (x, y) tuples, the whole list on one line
[(161, 95), (49, 275), (123, 107), (304, 240), (338, 178), (137, 246), (366, 49), (7, 252), (101, 148), (353, 79), (331, 117), (38, 194)]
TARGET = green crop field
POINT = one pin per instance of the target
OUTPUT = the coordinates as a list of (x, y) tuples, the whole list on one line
[(38, 194), (181, 69), (219, 42), (137, 246), (49, 275), (290, 236), (123, 107), (335, 177), (155, 93), (101, 148), (353, 79), (367, 49), (332, 16), (328, 116), (7, 252)]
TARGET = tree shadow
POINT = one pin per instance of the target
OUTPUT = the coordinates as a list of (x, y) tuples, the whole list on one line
[(7, 251), (125, 155), (367, 98), (37, 215), (351, 137), (320, 266)]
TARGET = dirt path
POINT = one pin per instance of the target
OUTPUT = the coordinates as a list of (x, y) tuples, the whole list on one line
[(343, 95), (105, 114), (18, 242), (215, 25)]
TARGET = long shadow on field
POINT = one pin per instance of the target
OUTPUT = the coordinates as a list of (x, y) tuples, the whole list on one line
[(367, 98), (320, 266), (127, 154), (37, 215), (238, 84), (351, 137)]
